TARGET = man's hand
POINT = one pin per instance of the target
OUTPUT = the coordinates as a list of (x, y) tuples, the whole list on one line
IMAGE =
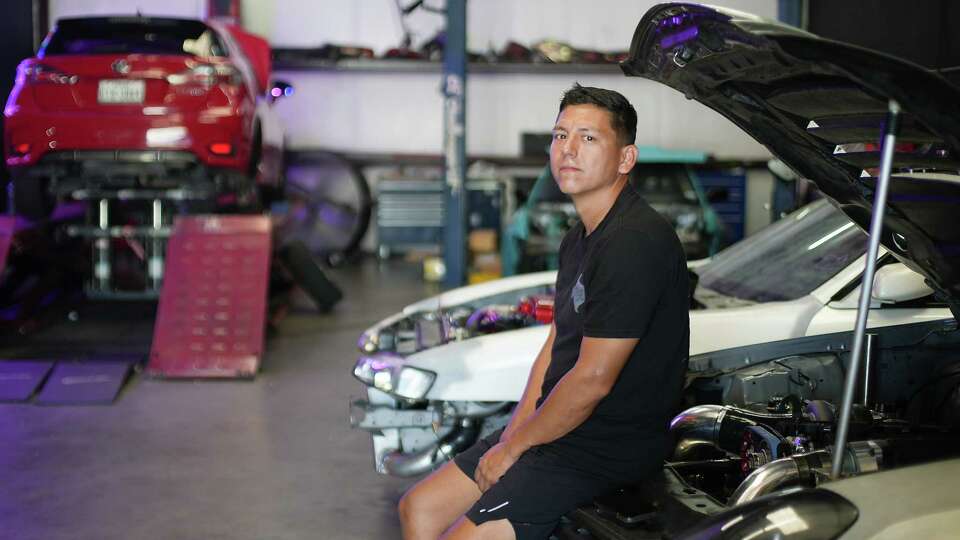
[(494, 464)]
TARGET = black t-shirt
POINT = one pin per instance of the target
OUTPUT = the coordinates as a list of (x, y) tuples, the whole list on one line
[(627, 279)]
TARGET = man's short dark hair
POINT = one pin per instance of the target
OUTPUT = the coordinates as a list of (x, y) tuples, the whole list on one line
[(623, 117)]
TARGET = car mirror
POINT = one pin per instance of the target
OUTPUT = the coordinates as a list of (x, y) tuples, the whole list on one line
[(280, 89), (897, 283)]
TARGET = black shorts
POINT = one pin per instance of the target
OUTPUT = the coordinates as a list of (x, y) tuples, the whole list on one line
[(534, 493)]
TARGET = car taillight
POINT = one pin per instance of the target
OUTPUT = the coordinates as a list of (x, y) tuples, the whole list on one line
[(41, 74), (221, 149), (207, 75), (20, 149)]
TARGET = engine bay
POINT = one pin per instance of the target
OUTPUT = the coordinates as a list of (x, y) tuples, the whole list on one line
[(772, 424)]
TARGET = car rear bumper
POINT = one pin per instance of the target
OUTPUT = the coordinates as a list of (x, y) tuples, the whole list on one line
[(193, 132)]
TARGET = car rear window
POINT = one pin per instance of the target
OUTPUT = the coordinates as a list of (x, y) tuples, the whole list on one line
[(132, 35)]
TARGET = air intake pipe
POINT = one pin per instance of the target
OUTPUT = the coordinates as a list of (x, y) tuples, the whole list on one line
[(722, 427), (412, 464)]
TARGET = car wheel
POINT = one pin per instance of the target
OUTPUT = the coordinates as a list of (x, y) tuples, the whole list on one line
[(307, 274), (31, 199)]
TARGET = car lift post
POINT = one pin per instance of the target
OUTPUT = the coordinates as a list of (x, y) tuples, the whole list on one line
[(454, 143), (101, 269), (155, 257)]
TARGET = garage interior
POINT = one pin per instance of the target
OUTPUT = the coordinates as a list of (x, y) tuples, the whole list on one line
[(379, 117)]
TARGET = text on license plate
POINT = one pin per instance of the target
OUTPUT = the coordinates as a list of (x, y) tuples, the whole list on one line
[(119, 91)]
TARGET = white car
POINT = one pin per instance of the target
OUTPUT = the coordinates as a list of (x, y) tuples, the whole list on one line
[(448, 369)]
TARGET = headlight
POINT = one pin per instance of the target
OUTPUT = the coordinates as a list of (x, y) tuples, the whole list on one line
[(369, 342), (388, 373)]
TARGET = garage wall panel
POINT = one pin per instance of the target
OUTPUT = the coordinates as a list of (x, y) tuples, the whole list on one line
[(600, 24), (399, 112), (168, 8)]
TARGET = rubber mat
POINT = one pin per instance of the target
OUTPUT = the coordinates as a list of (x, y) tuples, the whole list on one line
[(213, 303), (7, 224), (19, 379), (87, 383)]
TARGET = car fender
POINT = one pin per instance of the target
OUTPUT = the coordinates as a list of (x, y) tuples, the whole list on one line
[(270, 168), (925, 505), (718, 329)]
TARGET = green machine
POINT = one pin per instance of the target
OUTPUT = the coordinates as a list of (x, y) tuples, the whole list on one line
[(667, 180)]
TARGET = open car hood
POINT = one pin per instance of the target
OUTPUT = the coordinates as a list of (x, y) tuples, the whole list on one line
[(819, 106)]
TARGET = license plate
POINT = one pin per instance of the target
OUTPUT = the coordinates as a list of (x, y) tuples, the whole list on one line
[(120, 91)]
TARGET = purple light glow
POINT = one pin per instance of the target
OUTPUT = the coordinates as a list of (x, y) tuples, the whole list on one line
[(680, 37), (276, 92)]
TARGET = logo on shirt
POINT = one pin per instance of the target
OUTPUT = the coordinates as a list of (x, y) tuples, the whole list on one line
[(578, 294)]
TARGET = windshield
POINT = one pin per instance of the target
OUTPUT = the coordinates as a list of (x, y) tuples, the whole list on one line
[(123, 35), (788, 259)]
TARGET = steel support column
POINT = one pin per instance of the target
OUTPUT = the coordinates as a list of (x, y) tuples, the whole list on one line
[(454, 143)]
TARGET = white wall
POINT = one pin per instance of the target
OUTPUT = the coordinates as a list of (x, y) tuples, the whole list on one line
[(401, 112), (598, 24), (396, 112), (168, 8)]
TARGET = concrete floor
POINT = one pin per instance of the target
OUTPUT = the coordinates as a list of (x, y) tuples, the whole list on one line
[(270, 458)]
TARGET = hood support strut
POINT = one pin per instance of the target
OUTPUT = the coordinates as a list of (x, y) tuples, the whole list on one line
[(866, 290)]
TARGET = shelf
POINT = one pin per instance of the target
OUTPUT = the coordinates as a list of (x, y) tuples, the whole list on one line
[(426, 66)]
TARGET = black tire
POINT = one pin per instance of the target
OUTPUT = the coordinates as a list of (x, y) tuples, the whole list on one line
[(31, 199), (306, 273)]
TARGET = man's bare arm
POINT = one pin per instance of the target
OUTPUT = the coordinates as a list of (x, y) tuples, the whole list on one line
[(569, 404), (528, 402)]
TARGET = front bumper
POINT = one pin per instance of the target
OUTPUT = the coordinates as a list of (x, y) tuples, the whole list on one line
[(410, 442)]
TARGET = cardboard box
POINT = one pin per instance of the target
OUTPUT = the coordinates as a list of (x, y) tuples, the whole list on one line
[(487, 262), (482, 241)]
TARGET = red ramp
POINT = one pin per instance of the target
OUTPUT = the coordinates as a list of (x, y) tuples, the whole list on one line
[(212, 309)]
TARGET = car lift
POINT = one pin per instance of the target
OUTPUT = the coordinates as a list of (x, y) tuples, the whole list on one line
[(210, 273)]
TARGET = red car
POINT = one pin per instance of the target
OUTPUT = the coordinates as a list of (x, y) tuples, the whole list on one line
[(114, 104)]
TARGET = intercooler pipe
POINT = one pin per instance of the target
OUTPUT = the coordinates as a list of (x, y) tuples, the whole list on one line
[(859, 457), (451, 444), (766, 479), (718, 425)]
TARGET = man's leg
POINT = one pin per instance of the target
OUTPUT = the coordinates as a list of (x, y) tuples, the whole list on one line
[(464, 529), (431, 506)]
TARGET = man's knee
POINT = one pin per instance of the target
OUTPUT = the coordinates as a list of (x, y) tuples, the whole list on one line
[(407, 507), (415, 507)]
